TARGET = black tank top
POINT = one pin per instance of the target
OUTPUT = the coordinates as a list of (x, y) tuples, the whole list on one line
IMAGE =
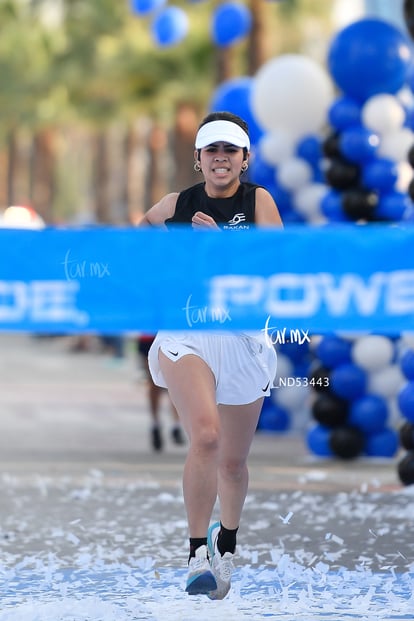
[(235, 212)]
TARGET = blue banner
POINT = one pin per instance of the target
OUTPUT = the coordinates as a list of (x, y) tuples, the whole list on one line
[(112, 280)]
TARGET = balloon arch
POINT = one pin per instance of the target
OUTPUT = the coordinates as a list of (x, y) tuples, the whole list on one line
[(346, 156)]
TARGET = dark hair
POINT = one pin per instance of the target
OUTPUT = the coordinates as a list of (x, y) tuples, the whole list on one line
[(225, 116)]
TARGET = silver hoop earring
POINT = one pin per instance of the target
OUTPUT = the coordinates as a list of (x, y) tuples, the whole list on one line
[(244, 167), (197, 166)]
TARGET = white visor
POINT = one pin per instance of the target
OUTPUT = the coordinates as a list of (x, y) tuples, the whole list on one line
[(221, 131)]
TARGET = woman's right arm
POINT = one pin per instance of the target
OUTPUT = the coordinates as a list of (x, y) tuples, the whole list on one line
[(160, 212)]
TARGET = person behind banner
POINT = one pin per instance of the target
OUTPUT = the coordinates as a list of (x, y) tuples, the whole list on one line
[(216, 380), (155, 394)]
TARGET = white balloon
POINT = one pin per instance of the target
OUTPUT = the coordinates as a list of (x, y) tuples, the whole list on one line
[(396, 144), (300, 418), (395, 418), (292, 397), (407, 340), (315, 340), (318, 219), (406, 97), (276, 146), (284, 370), (294, 173), (284, 366), (372, 352), (383, 113), (405, 175), (386, 382), (292, 92), (307, 200), (350, 336)]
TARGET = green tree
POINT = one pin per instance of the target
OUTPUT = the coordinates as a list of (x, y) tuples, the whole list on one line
[(96, 67)]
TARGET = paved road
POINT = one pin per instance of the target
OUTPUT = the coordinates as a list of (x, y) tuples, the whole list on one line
[(75, 425), (81, 488), (64, 412)]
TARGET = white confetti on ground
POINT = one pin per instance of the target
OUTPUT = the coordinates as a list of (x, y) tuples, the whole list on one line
[(122, 593), (92, 551)]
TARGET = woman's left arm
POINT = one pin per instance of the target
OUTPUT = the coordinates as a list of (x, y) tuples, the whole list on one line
[(267, 213)]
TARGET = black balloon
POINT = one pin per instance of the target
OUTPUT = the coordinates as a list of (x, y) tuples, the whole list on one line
[(347, 442), (411, 189), (330, 410), (406, 469), (409, 16), (342, 175), (330, 146), (407, 436), (359, 204), (319, 379), (411, 155)]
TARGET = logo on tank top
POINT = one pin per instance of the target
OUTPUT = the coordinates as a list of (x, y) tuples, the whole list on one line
[(237, 222)]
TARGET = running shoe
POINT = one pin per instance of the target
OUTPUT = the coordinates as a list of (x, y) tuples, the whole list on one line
[(200, 579), (221, 566)]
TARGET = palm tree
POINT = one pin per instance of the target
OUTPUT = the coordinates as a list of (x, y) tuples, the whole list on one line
[(24, 56)]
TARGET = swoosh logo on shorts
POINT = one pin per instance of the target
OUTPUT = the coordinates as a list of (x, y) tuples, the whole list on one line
[(266, 387), (175, 353)]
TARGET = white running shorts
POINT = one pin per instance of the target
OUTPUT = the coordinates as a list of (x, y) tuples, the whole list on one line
[(244, 366)]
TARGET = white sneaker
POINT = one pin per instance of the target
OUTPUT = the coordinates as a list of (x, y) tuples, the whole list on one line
[(200, 579), (222, 566)]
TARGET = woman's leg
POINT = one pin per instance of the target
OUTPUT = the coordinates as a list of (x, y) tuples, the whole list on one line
[(238, 426), (192, 389)]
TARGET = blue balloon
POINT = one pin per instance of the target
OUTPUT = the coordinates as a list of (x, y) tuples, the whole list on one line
[(292, 217), (384, 443), (318, 174), (273, 417), (408, 216), (272, 187), (282, 198), (348, 381), (406, 401), (368, 57), (318, 438), (333, 351), (393, 206), (170, 26), (231, 22), (358, 144), (380, 174), (369, 413), (261, 172), (331, 207), (143, 7), (407, 364), (410, 76), (234, 96), (309, 148), (296, 352), (344, 112), (409, 117), (302, 368)]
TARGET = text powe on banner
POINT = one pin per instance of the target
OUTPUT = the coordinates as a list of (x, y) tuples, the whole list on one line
[(109, 280)]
